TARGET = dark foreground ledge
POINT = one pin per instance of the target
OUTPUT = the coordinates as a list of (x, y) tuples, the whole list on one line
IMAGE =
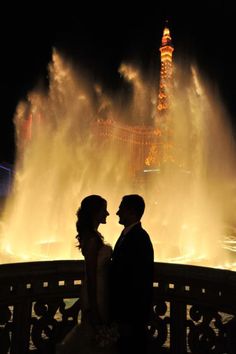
[(193, 309)]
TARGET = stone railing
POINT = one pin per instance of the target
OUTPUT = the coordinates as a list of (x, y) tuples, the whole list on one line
[(193, 309)]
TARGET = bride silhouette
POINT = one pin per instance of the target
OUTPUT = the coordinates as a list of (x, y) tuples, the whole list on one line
[(94, 334)]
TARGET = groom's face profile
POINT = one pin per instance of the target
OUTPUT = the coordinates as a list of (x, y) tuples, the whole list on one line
[(124, 214)]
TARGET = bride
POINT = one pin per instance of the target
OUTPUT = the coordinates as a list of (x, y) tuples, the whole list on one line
[(94, 334)]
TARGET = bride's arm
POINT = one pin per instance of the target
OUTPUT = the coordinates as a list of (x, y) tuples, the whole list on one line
[(90, 255)]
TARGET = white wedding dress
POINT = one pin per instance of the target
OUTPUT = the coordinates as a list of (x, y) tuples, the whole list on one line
[(81, 339)]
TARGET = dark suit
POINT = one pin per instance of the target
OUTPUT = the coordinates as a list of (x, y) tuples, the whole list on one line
[(131, 286)]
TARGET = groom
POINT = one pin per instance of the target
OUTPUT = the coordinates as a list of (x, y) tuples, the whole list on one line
[(132, 277)]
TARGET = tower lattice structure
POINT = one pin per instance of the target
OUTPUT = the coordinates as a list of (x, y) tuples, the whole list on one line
[(163, 152), (166, 75)]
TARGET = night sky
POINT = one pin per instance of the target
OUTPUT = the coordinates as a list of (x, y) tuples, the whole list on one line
[(98, 37)]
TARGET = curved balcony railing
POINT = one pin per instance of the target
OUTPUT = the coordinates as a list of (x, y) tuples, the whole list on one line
[(193, 308)]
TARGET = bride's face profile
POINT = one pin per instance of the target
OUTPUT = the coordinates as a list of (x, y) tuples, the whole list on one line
[(91, 213), (102, 214)]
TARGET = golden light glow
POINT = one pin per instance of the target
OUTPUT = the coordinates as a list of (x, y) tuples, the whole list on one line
[(82, 143)]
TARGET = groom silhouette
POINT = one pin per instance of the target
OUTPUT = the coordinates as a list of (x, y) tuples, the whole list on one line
[(132, 277)]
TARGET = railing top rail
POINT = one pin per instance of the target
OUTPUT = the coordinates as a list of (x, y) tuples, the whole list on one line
[(25, 269), (161, 270), (186, 272)]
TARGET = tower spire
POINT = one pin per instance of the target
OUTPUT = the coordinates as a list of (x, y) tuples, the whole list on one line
[(166, 76)]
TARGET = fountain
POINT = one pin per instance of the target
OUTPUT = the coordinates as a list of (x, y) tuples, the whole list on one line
[(61, 159)]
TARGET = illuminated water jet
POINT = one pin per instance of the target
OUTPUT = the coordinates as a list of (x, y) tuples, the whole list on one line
[(75, 140)]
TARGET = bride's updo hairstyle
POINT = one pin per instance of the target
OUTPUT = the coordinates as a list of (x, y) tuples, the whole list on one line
[(86, 214)]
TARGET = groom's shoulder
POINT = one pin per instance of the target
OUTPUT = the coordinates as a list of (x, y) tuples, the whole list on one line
[(138, 229)]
